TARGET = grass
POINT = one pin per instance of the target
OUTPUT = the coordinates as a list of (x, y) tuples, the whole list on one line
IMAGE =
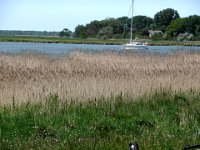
[(39, 39), (99, 101), (174, 43), (161, 120)]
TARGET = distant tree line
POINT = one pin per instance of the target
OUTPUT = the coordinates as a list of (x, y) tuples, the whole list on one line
[(168, 21), (65, 33), (28, 33), (113, 28)]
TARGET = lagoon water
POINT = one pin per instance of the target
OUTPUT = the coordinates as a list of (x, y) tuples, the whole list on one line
[(64, 49)]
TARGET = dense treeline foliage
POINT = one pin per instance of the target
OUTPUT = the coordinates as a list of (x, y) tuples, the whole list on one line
[(163, 18), (190, 24), (65, 33), (31, 33), (168, 21), (114, 28)]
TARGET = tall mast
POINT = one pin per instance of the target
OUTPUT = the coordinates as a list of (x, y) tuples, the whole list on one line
[(132, 22)]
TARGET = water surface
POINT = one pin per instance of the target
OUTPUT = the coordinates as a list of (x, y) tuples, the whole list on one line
[(64, 49)]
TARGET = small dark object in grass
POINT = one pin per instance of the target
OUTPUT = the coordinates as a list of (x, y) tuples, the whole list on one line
[(191, 147), (133, 146)]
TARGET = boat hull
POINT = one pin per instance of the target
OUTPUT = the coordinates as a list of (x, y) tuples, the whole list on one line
[(134, 47)]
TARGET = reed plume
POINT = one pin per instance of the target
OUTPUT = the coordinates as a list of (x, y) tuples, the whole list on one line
[(84, 76)]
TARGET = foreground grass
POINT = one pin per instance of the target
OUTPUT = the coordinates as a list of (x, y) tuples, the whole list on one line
[(161, 120)]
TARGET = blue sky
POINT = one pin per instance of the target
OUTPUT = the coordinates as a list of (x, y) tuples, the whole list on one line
[(54, 15)]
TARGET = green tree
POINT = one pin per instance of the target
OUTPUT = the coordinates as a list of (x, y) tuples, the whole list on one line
[(189, 26), (92, 28), (195, 24), (65, 32), (116, 25), (106, 32), (124, 24), (80, 31), (163, 18), (195, 19), (183, 25), (176, 27), (142, 22)]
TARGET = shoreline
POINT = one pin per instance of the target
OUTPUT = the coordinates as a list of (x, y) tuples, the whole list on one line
[(32, 39)]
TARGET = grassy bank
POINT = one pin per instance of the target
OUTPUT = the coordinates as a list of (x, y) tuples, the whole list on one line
[(90, 41), (174, 43), (161, 120), (37, 39)]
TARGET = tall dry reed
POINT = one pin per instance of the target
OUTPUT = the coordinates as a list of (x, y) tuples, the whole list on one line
[(81, 76)]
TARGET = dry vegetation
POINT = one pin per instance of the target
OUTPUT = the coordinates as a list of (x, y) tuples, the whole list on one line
[(86, 76)]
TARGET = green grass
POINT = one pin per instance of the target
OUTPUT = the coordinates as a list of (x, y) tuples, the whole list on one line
[(161, 120), (40, 39), (173, 43)]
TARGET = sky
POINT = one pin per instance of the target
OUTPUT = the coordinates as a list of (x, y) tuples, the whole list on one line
[(55, 15)]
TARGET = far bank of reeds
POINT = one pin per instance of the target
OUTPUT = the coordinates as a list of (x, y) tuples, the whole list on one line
[(81, 76), (40, 39)]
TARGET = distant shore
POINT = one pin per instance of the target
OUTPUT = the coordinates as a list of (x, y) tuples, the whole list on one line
[(40, 39)]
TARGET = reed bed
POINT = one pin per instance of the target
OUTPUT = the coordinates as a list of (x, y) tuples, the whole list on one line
[(87, 76)]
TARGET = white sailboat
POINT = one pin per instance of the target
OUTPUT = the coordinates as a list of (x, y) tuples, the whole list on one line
[(133, 44)]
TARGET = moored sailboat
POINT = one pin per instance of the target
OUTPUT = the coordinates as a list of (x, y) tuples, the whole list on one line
[(133, 44)]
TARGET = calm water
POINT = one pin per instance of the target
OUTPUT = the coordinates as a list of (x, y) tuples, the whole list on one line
[(64, 49)]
